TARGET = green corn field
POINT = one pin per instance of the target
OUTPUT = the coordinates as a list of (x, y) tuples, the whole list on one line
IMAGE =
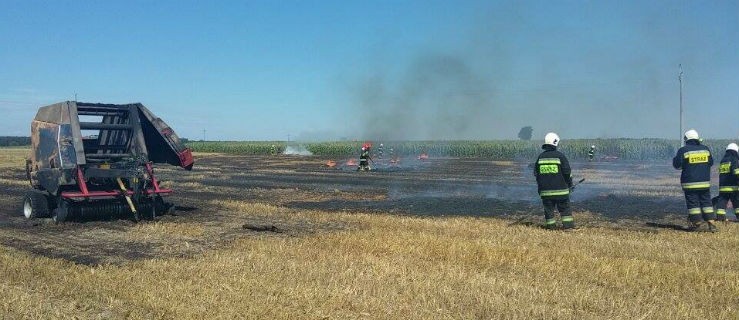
[(238, 147), (626, 149)]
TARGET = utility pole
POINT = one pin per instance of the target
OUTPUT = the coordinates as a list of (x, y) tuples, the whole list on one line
[(680, 79), (203, 134)]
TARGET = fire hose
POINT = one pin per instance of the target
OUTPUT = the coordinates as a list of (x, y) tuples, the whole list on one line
[(125, 193), (576, 183)]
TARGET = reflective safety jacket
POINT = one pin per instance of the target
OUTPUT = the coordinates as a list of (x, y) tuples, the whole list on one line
[(728, 172), (553, 173), (364, 157), (696, 161)]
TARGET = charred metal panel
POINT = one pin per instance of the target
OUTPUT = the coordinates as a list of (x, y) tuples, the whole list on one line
[(50, 179), (44, 144), (66, 114), (50, 114), (138, 143), (67, 150), (162, 142), (46, 161), (74, 122)]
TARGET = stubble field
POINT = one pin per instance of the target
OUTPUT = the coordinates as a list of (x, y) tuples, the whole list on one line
[(441, 238)]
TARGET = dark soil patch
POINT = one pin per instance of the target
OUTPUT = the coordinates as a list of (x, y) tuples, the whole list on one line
[(437, 187)]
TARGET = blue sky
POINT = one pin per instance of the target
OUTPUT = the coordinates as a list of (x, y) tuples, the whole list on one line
[(263, 70)]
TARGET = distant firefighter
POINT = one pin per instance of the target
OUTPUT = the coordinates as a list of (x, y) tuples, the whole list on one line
[(591, 153), (379, 151), (394, 160), (364, 158), (695, 160), (728, 189), (554, 180)]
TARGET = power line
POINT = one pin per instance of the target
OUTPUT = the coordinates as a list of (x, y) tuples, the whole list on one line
[(680, 79)]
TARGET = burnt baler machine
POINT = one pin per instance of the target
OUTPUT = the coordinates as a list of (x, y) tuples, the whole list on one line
[(93, 159)]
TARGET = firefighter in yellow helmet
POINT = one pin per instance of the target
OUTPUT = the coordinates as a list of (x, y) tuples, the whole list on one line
[(695, 160)]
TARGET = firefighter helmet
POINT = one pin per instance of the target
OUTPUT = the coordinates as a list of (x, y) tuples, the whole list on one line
[(551, 139), (691, 135), (732, 146), (592, 147)]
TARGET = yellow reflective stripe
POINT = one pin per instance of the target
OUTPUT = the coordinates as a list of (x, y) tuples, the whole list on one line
[(694, 211), (696, 153), (549, 161), (720, 211), (736, 171), (707, 209), (728, 189), (697, 185), (551, 221), (567, 219), (549, 193)]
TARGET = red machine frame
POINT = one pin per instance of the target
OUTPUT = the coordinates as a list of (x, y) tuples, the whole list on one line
[(85, 193)]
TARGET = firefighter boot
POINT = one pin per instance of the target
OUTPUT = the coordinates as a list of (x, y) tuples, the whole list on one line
[(712, 226), (568, 222), (550, 224), (720, 214), (693, 225)]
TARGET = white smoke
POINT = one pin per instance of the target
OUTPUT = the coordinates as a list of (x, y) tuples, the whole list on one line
[(297, 151)]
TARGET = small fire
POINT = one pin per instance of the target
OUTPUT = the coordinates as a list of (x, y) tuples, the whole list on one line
[(423, 156), (330, 163), (351, 162)]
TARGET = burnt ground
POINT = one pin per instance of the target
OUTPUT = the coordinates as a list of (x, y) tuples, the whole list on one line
[(624, 195)]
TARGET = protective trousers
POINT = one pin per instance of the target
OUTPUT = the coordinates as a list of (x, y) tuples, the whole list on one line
[(723, 200), (363, 165), (563, 206), (699, 205)]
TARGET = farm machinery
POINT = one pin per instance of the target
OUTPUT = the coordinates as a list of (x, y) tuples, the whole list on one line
[(96, 160)]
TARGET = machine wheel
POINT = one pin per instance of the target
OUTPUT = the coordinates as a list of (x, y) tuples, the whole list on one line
[(35, 205), (59, 214), (151, 212)]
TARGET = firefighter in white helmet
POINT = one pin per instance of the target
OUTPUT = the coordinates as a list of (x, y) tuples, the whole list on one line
[(695, 160), (728, 181), (554, 181), (591, 153)]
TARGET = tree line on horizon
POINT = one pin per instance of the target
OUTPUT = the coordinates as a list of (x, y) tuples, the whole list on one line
[(9, 141)]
